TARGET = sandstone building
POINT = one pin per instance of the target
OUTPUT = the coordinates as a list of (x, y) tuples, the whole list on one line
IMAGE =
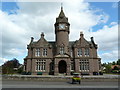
[(62, 56)]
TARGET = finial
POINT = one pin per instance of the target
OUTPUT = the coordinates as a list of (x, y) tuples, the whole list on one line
[(42, 34), (61, 6), (81, 34)]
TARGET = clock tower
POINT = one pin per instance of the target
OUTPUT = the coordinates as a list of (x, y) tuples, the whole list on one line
[(62, 33)]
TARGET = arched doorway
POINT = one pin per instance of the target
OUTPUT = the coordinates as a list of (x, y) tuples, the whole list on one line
[(62, 66)]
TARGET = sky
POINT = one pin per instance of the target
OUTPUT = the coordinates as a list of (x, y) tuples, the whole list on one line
[(22, 20)]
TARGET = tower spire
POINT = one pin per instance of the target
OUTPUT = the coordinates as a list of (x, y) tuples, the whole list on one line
[(61, 6), (61, 12)]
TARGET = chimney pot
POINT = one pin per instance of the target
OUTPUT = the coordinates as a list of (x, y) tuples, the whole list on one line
[(81, 34), (32, 39)]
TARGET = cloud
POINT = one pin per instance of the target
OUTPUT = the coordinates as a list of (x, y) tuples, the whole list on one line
[(113, 23), (3, 60), (36, 17), (115, 5), (107, 40), (13, 36), (110, 56), (107, 37)]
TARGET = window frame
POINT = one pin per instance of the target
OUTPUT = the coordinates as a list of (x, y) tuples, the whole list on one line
[(37, 52), (79, 52), (40, 65)]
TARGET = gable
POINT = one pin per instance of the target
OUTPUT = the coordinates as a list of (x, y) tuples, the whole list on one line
[(42, 42), (82, 43)]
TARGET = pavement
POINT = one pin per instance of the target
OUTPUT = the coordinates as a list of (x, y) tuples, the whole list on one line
[(38, 84), (92, 84)]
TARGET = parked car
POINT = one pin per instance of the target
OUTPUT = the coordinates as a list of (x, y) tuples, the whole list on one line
[(95, 73), (76, 78)]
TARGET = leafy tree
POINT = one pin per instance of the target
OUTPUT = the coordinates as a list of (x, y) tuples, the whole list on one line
[(8, 67), (108, 68), (109, 65), (118, 62), (113, 63), (20, 70)]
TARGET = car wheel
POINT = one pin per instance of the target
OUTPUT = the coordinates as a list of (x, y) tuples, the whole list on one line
[(79, 82)]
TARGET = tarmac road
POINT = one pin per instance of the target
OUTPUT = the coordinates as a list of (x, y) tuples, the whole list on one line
[(37, 84)]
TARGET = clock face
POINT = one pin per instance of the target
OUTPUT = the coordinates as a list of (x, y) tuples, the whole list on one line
[(61, 26)]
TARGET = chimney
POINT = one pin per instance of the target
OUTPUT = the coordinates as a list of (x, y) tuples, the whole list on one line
[(81, 34), (32, 39), (92, 39)]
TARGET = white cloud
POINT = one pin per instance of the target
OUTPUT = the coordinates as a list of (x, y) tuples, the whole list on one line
[(113, 23), (16, 52), (110, 56), (107, 37), (107, 40), (3, 60)]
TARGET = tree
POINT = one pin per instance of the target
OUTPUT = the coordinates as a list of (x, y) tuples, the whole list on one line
[(8, 67), (118, 62), (108, 68), (113, 63), (20, 69)]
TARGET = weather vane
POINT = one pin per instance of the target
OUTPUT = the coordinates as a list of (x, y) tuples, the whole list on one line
[(61, 6)]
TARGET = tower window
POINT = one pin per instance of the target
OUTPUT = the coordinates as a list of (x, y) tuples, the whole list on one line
[(45, 52), (86, 51), (71, 53), (61, 50), (37, 52), (79, 52)]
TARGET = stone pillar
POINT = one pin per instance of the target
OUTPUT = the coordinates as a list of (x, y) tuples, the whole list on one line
[(68, 69), (33, 66), (28, 67), (47, 68), (56, 69), (77, 65), (96, 65)]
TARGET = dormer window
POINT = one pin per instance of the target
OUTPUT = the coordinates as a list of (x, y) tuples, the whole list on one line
[(37, 52), (44, 52), (61, 50), (79, 53), (86, 52)]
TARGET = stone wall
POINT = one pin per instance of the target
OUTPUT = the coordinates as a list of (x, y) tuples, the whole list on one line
[(58, 78)]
